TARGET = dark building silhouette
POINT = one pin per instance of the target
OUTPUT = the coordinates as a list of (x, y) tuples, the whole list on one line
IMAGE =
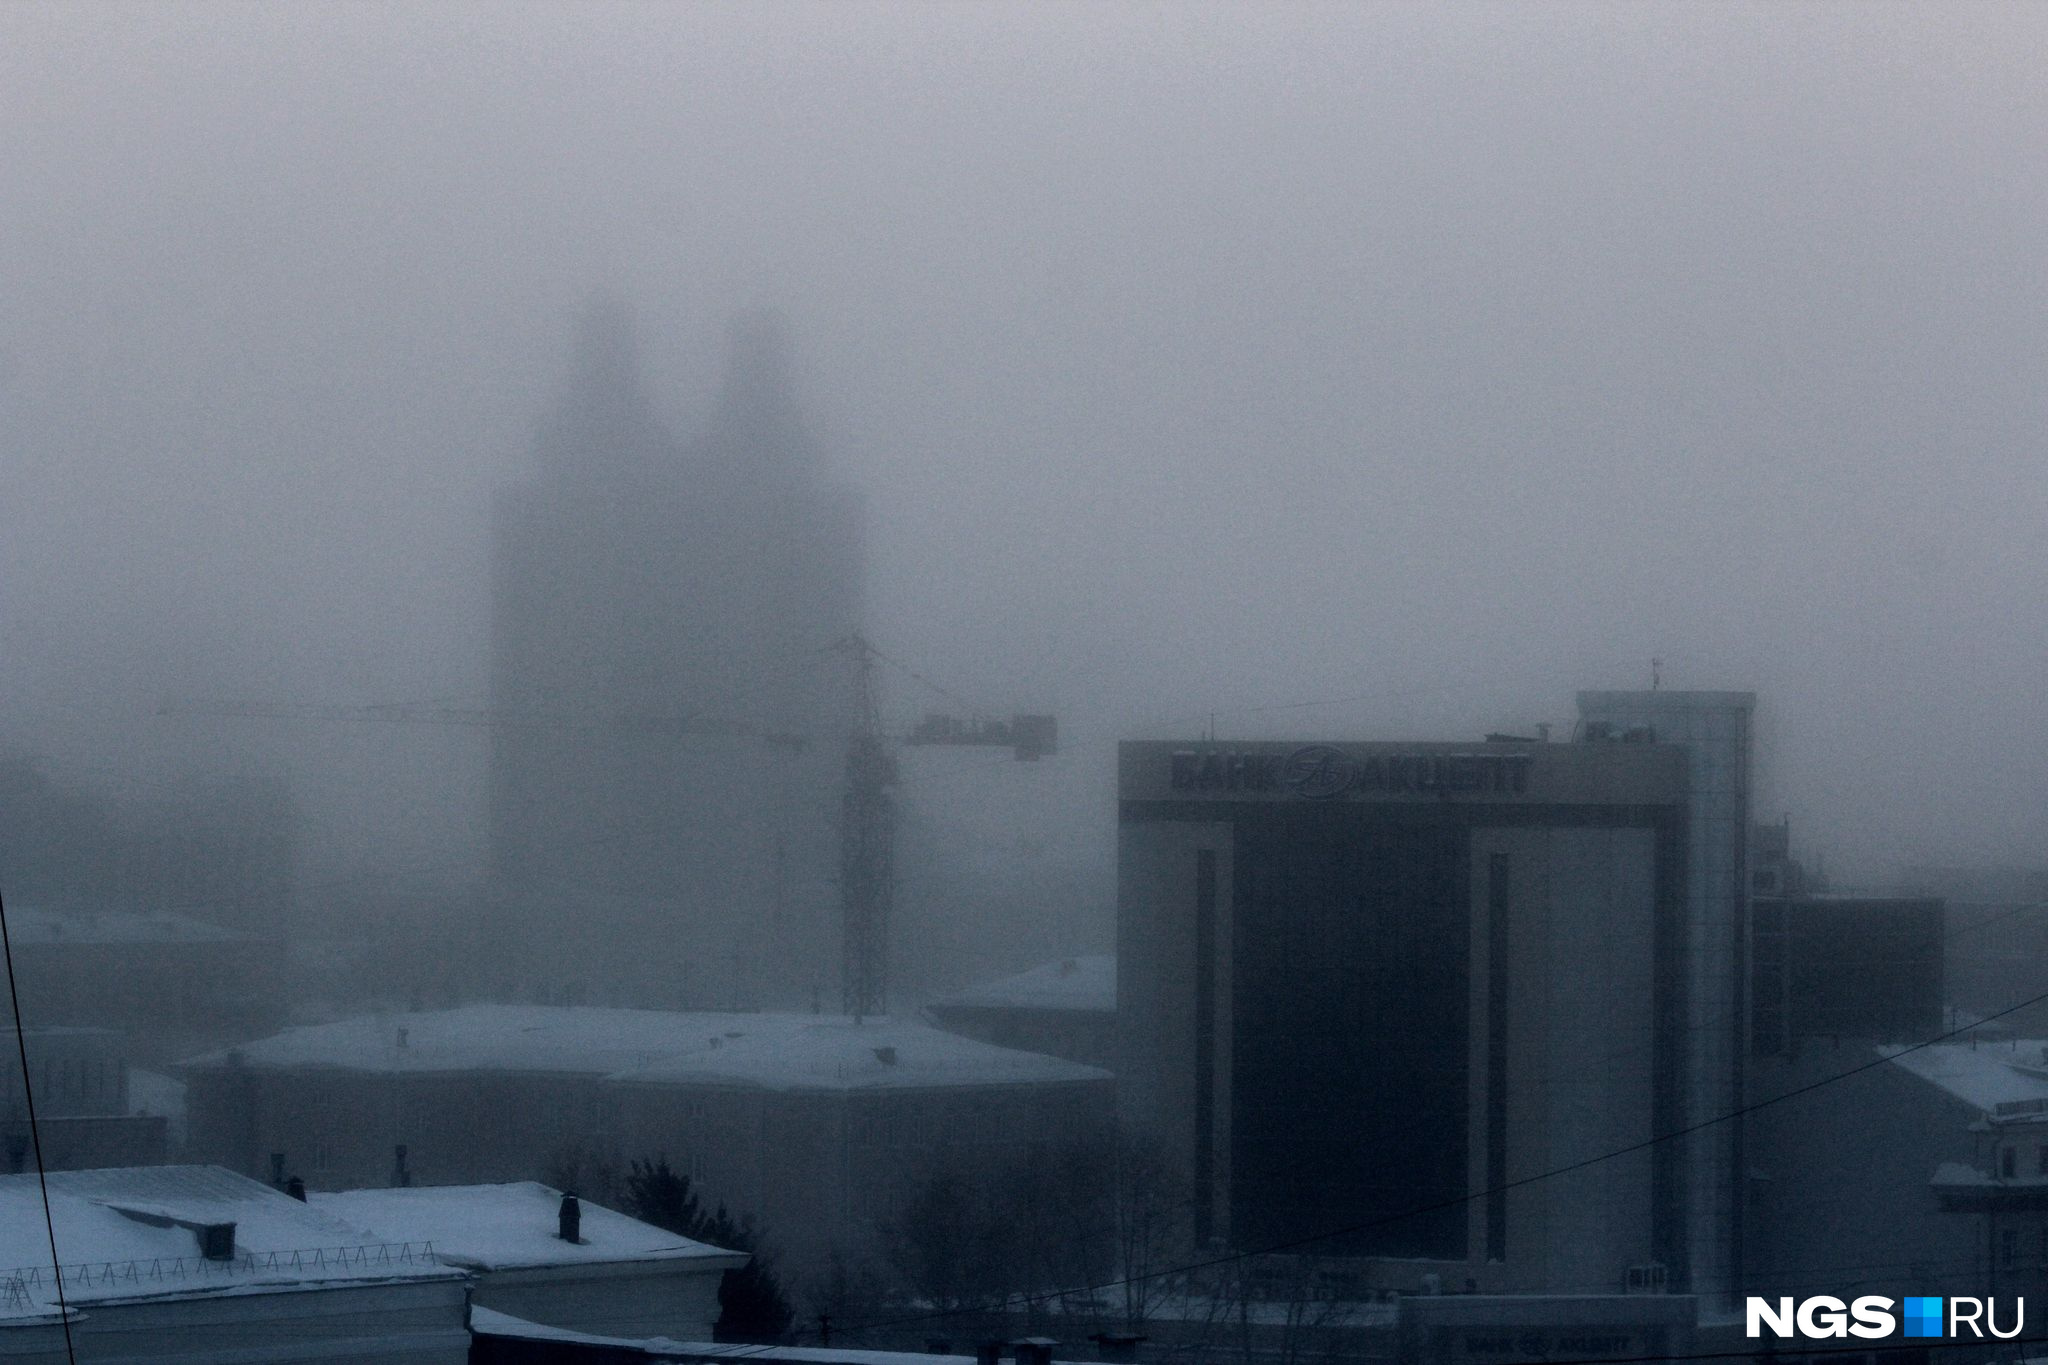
[(661, 616), (1373, 995)]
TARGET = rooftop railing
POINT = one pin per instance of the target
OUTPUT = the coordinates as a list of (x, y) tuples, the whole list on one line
[(21, 1286)]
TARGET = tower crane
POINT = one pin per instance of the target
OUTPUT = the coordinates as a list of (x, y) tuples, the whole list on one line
[(867, 817)]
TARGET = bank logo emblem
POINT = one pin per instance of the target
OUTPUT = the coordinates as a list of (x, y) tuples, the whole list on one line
[(1923, 1317), (1318, 770)]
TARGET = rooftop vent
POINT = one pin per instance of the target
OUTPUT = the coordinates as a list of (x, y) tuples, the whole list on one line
[(886, 1056)]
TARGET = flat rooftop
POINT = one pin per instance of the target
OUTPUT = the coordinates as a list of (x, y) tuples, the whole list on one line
[(781, 1052), (1073, 983), (30, 924), (512, 1226)]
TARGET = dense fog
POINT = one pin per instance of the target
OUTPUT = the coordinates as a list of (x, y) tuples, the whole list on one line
[(551, 541)]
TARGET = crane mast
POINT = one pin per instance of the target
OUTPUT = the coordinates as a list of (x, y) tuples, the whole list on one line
[(867, 845)]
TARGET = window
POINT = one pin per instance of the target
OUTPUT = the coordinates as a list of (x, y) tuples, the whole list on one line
[(2041, 1159), (2008, 1162)]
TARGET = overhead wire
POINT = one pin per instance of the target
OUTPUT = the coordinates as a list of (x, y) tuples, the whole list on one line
[(35, 1132), (1038, 1298)]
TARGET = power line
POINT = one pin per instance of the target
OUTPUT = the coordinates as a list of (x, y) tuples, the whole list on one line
[(1331, 1234), (35, 1134)]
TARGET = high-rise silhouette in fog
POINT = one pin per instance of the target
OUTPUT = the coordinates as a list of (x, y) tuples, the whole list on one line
[(639, 576)]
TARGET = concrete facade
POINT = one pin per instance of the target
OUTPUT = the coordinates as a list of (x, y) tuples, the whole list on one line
[(1396, 977), (1714, 730)]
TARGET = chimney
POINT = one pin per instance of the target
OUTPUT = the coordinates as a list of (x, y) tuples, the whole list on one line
[(277, 1170), (988, 1353), (216, 1241), (1117, 1346), (569, 1222), (401, 1177), (886, 1056), (1033, 1350), (296, 1188)]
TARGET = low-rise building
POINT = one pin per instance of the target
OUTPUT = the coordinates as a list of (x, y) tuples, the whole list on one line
[(1842, 1138), (1997, 1194), (1827, 965), (1062, 1009), (172, 983), (189, 1265), (816, 1127), (545, 1258), (83, 1106)]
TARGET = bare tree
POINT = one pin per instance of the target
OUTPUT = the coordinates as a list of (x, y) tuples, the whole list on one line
[(950, 1246), (1271, 1310), (581, 1169), (1076, 1230)]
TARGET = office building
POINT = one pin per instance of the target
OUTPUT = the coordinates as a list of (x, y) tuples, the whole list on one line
[(1370, 992), (1714, 731)]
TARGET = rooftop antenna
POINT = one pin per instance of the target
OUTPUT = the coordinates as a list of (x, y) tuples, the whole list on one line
[(1656, 674)]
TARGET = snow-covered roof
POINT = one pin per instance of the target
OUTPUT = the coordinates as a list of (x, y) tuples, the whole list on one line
[(129, 1232), (811, 1052), (1962, 1173), (772, 1051), (1074, 983), (503, 1227), (492, 1323), (564, 1039), (29, 924), (1985, 1076)]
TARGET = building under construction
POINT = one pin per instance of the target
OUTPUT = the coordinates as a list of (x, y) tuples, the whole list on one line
[(665, 830)]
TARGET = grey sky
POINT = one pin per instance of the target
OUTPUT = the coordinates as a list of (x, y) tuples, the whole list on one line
[(1192, 358)]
